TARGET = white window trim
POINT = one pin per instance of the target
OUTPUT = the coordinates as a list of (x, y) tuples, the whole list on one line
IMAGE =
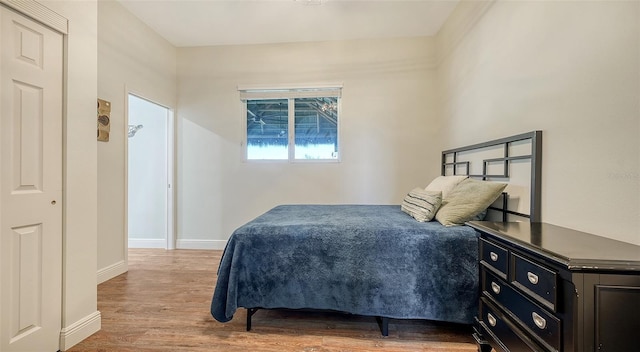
[(291, 87)]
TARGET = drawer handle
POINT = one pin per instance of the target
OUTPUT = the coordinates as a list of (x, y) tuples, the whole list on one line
[(495, 288), (493, 256), (533, 278), (491, 319), (539, 321)]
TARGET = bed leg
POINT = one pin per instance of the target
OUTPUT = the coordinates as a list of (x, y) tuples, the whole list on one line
[(250, 313), (383, 323)]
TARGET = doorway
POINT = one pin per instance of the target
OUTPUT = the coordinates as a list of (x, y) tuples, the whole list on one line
[(150, 175)]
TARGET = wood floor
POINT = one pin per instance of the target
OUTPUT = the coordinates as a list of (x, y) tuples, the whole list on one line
[(162, 304)]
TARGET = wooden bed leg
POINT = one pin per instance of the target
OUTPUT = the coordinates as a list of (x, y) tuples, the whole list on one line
[(250, 313), (383, 323)]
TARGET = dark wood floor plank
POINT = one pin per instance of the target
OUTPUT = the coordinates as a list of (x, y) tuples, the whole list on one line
[(162, 304)]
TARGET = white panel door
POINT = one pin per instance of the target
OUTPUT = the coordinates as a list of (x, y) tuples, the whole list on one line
[(30, 184)]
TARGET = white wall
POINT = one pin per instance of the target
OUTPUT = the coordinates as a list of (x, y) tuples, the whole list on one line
[(568, 68), (147, 185), (80, 317), (387, 128), (131, 58)]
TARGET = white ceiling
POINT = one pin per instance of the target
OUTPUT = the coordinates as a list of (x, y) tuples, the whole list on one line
[(231, 22)]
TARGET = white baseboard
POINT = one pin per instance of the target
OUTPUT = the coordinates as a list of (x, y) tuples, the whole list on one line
[(112, 271), (201, 244), (80, 330), (147, 243)]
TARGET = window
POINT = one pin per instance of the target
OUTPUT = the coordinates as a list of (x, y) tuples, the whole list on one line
[(291, 124)]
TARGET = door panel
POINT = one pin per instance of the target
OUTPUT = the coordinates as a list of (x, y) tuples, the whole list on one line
[(27, 130), (30, 184), (27, 242)]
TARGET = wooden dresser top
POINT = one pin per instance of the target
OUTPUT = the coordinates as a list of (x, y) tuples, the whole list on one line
[(574, 249)]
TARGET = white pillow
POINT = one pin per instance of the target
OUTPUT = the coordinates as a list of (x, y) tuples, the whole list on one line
[(422, 205), (444, 184)]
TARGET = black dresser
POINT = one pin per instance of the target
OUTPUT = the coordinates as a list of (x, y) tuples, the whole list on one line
[(549, 288)]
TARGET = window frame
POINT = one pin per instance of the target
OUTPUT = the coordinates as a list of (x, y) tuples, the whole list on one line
[(290, 93)]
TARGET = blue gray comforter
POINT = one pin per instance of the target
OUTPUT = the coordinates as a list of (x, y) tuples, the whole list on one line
[(363, 259)]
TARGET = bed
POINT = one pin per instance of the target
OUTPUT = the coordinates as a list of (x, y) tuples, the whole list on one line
[(371, 260)]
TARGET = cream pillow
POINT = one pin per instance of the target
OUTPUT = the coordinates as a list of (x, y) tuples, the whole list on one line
[(467, 199), (421, 205), (445, 184)]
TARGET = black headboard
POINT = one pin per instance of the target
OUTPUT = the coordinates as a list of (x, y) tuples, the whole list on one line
[(451, 164)]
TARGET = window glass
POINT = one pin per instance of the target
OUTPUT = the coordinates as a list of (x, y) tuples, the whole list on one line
[(268, 129), (316, 128)]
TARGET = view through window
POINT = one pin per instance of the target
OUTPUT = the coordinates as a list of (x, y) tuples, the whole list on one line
[(296, 125)]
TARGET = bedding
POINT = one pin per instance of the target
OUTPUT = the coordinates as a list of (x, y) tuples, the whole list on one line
[(372, 260), (445, 184), (421, 205), (468, 199)]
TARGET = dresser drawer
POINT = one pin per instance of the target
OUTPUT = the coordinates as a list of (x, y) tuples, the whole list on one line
[(497, 326), (541, 324), (537, 280), (494, 256)]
